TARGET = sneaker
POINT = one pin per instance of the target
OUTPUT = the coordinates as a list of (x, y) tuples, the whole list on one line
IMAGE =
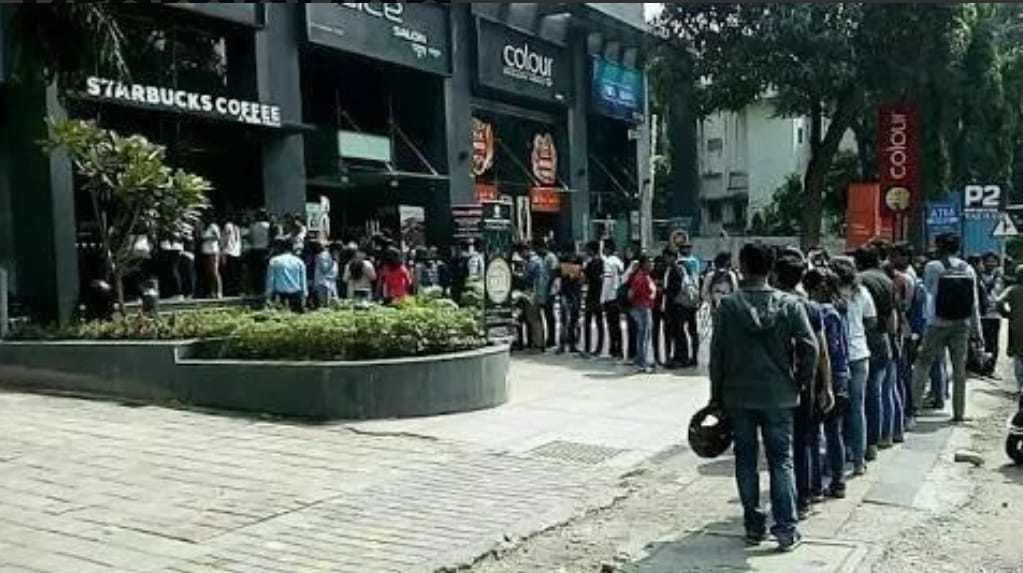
[(755, 538), (860, 470), (817, 498), (899, 439), (871, 453), (803, 512), (885, 444), (648, 370), (835, 492), (910, 423), (787, 544)]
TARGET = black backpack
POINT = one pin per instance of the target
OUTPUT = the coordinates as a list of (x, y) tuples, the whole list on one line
[(955, 297)]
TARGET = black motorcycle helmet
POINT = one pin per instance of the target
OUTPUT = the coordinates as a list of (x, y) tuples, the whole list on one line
[(1014, 443), (710, 432)]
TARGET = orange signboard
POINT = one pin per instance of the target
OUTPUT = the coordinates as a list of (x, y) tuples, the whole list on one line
[(863, 214), (486, 192), (545, 200)]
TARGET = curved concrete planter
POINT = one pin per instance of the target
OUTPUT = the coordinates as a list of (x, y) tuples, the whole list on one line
[(165, 371)]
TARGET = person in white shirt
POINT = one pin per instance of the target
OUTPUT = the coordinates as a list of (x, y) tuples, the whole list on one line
[(861, 316), (259, 250), (614, 268), (209, 248), (231, 258), (171, 249)]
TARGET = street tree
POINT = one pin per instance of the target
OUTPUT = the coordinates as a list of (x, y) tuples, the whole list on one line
[(828, 62), (132, 191)]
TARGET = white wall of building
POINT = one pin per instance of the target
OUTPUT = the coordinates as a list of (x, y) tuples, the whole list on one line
[(744, 157)]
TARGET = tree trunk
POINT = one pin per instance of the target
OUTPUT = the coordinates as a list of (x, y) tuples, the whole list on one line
[(119, 289), (813, 182), (823, 148)]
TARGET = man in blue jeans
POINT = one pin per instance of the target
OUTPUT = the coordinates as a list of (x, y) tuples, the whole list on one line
[(763, 352)]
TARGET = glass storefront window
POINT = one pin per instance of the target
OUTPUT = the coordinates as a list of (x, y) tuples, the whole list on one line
[(171, 52)]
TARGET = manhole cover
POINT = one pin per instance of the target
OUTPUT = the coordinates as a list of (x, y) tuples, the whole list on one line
[(576, 452)]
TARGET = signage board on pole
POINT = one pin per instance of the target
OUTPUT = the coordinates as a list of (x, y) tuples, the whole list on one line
[(496, 217)]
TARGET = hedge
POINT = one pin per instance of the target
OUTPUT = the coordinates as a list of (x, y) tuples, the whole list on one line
[(415, 328)]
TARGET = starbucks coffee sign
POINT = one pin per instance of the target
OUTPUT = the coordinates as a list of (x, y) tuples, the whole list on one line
[(520, 64), (172, 99)]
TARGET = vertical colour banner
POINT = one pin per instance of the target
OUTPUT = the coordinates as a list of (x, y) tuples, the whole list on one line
[(898, 158)]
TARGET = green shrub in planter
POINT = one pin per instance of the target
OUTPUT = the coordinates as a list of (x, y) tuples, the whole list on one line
[(416, 327)]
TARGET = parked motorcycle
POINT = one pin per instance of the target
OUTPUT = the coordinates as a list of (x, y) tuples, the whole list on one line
[(1014, 443)]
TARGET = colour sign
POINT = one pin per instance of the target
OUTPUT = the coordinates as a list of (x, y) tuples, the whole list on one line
[(898, 156), (521, 64)]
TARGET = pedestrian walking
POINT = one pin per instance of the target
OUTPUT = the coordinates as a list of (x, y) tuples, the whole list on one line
[(822, 286), (1010, 306), (536, 278), (814, 398), (209, 247), (570, 294), (861, 316), (763, 352), (614, 270), (642, 298), (593, 319), (359, 277), (952, 286), (325, 274), (883, 404)]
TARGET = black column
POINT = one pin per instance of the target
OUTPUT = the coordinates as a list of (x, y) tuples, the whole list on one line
[(279, 82), (579, 142), (458, 105), (41, 215)]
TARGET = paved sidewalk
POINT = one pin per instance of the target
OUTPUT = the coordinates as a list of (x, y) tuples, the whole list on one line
[(89, 486)]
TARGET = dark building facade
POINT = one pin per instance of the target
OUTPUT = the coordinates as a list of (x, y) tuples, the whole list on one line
[(373, 106)]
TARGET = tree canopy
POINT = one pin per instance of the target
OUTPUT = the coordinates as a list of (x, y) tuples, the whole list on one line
[(830, 62)]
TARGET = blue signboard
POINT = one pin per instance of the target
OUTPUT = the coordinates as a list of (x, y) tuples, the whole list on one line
[(618, 91), (942, 213)]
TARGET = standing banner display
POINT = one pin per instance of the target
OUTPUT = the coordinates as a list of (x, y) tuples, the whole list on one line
[(496, 226), (898, 161)]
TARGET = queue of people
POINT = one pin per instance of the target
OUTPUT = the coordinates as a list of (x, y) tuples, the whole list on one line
[(644, 308), (829, 361)]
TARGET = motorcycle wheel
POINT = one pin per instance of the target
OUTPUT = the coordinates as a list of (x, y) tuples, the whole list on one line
[(1014, 449)]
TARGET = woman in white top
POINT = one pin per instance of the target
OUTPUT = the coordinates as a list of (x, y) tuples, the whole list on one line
[(861, 315), (359, 277), (209, 248), (231, 258)]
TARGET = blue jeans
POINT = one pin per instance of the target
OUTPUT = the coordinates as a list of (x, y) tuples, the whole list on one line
[(855, 422), (872, 400), (892, 411), (806, 452), (836, 446), (644, 330), (776, 428)]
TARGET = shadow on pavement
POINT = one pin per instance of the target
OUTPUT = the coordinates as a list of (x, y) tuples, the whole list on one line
[(718, 547), (1012, 473), (718, 468)]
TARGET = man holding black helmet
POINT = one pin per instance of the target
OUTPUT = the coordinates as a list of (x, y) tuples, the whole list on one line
[(763, 351)]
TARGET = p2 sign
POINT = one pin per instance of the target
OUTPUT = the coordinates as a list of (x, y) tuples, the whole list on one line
[(982, 198)]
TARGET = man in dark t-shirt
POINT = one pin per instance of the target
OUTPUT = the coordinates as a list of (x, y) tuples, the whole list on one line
[(883, 407)]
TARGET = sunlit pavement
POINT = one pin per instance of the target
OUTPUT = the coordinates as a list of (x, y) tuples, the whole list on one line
[(95, 486)]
